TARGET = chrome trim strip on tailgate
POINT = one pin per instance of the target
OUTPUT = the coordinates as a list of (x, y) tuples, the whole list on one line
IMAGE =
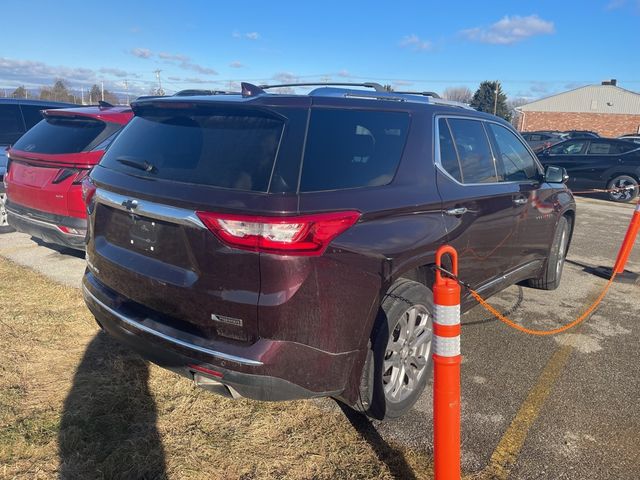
[(149, 209), (181, 343)]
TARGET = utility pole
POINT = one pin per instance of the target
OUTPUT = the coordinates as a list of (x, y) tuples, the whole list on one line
[(160, 91), (126, 88), (102, 90), (495, 99), (82, 94)]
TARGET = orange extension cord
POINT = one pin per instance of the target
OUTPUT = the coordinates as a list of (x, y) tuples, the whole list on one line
[(530, 331)]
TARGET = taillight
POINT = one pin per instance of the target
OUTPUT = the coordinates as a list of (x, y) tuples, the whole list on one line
[(82, 174), (88, 190), (63, 174), (291, 235)]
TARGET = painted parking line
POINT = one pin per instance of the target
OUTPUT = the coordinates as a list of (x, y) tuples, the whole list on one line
[(506, 453)]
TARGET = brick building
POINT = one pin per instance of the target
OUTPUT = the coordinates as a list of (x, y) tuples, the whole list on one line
[(606, 109)]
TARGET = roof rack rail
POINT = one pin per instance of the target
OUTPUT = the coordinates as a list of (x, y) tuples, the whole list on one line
[(425, 94), (376, 86), (451, 103)]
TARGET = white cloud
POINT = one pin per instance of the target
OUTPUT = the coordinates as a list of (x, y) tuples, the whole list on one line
[(510, 30), (198, 68), (236, 64), (182, 61), (116, 72), (286, 77), (615, 4), (247, 35), (34, 74), (141, 52), (415, 43), (173, 57), (344, 73)]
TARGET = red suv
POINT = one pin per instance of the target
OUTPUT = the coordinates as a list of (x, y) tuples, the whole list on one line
[(46, 167)]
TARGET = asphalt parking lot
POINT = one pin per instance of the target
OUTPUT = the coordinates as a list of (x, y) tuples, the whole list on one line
[(533, 407)]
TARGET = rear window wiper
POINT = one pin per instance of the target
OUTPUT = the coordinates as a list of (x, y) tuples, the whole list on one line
[(139, 164)]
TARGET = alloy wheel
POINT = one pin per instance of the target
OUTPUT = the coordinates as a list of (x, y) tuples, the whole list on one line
[(407, 354), (627, 189)]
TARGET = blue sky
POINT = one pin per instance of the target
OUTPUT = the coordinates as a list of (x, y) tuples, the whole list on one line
[(533, 48)]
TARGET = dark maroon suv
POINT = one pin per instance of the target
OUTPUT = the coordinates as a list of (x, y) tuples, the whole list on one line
[(281, 246)]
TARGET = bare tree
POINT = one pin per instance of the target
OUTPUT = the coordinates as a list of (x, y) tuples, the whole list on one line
[(458, 94), (512, 104)]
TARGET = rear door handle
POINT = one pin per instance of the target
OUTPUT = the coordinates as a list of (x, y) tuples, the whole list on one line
[(454, 212), (520, 201)]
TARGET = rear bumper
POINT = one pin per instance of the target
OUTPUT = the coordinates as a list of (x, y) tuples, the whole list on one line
[(47, 227), (265, 370)]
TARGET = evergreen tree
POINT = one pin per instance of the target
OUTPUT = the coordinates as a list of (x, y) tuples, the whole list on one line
[(484, 100), (19, 92), (95, 94), (58, 92)]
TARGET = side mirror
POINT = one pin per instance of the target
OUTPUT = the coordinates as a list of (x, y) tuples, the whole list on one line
[(555, 175)]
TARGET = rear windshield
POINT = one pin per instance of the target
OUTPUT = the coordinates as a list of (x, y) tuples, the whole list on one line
[(57, 135), (352, 148), (226, 149)]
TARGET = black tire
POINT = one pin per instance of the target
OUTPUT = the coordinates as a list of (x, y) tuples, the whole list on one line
[(404, 297), (622, 181), (552, 274)]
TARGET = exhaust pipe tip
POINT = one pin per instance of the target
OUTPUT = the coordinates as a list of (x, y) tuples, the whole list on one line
[(215, 386)]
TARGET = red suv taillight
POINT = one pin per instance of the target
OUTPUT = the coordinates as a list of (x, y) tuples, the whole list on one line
[(88, 190), (82, 174), (291, 235)]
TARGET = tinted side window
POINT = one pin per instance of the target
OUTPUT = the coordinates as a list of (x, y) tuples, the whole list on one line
[(569, 148), (352, 148), (448, 156), (608, 148), (517, 162), (31, 114), (473, 150), (10, 124)]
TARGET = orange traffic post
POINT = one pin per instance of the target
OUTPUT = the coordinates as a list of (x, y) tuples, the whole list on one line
[(629, 240), (446, 370)]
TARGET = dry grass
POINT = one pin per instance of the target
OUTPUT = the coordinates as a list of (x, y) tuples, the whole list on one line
[(74, 404)]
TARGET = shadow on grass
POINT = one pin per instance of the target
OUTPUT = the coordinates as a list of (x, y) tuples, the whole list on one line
[(392, 457), (108, 426)]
